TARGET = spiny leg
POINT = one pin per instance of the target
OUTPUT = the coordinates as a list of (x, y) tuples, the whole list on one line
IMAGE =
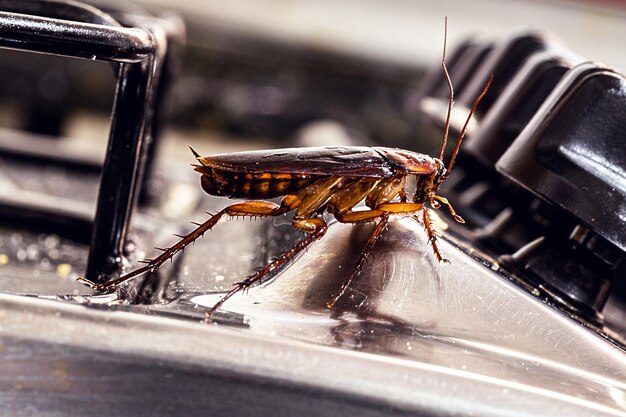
[(382, 211), (360, 217), (315, 227), (432, 238), (249, 208)]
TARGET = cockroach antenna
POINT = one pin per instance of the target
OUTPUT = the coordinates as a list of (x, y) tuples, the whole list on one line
[(446, 129), (469, 117)]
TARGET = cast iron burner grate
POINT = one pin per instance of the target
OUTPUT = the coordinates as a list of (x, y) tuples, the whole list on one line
[(142, 49)]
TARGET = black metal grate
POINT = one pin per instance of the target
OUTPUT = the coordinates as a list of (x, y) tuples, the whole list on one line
[(142, 48)]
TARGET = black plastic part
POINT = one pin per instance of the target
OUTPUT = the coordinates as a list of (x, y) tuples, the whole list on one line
[(470, 67), (503, 61), (517, 104), (487, 201), (573, 154), (498, 129), (557, 252)]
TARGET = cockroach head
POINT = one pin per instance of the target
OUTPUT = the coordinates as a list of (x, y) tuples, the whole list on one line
[(440, 173), (427, 184)]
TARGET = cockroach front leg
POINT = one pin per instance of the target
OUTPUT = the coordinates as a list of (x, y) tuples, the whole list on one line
[(249, 208), (443, 200), (432, 238)]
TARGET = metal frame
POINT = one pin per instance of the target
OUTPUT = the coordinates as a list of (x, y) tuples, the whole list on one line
[(145, 66)]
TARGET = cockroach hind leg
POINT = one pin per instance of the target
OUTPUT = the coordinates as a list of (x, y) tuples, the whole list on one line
[(365, 253)]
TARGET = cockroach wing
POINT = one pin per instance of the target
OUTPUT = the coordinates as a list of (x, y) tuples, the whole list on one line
[(408, 162), (356, 161)]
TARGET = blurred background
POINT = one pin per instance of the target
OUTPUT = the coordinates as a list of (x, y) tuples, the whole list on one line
[(261, 70)]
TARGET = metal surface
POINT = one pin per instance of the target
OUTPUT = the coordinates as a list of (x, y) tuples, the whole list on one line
[(70, 38), (410, 338)]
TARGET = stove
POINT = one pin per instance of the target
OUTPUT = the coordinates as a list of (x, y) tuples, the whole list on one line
[(527, 318)]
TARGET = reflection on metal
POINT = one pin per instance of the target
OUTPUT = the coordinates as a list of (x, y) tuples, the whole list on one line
[(425, 337), (463, 318)]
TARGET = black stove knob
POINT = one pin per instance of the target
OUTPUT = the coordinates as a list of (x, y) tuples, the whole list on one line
[(572, 155)]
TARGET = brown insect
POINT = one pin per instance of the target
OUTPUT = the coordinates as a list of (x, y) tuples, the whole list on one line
[(315, 180)]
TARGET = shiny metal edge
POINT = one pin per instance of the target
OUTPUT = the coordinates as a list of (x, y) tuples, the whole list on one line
[(408, 385)]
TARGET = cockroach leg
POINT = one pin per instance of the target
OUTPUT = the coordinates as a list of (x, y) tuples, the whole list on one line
[(364, 216), (447, 203), (316, 228), (400, 207), (451, 97), (356, 269), (432, 238), (402, 192), (249, 208)]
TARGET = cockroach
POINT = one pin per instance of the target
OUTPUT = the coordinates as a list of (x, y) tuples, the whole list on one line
[(315, 180)]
